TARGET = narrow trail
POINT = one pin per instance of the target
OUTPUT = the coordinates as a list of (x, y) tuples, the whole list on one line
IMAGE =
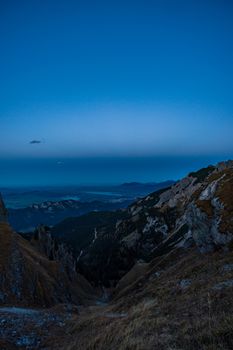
[(28, 328), (18, 310), (102, 307)]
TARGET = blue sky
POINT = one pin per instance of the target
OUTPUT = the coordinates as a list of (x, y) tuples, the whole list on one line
[(116, 78)]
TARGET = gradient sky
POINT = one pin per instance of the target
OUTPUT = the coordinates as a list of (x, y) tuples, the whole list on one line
[(116, 78)]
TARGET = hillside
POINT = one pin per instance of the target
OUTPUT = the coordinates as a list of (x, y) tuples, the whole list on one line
[(29, 278), (52, 212), (180, 302)]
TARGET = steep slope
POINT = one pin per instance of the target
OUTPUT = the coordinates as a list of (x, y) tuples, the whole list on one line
[(180, 301), (79, 232), (198, 210), (28, 277), (92, 239)]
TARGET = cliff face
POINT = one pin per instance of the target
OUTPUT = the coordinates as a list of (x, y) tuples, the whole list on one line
[(198, 210), (28, 277), (47, 245)]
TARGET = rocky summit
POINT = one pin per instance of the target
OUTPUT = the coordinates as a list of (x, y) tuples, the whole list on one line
[(157, 275), (195, 211)]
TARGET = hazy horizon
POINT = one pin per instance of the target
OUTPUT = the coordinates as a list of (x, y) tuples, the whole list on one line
[(109, 92), (98, 171)]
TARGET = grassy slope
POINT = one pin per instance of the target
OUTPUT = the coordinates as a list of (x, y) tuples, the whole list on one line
[(29, 278), (162, 315)]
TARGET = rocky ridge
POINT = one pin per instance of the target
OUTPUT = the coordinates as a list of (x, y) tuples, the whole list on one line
[(52, 212), (196, 211)]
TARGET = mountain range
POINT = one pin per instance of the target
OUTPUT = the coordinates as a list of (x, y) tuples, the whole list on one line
[(78, 201)]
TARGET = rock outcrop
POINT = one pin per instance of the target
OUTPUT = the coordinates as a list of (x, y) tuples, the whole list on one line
[(29, 278), (196, 210), (54, 250)]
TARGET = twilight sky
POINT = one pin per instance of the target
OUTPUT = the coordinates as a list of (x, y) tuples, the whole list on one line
[(116, 78)]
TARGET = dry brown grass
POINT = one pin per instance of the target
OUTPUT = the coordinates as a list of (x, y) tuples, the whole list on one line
[(206, 207), (5, 242), (162, 315), (5, 345)]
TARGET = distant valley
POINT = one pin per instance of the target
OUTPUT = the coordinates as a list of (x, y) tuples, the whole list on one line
[(31, 207)]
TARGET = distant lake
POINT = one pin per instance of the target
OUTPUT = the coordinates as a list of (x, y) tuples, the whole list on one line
[(102, 193)]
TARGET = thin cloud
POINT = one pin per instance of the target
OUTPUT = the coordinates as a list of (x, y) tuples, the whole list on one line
[(33, 142)]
